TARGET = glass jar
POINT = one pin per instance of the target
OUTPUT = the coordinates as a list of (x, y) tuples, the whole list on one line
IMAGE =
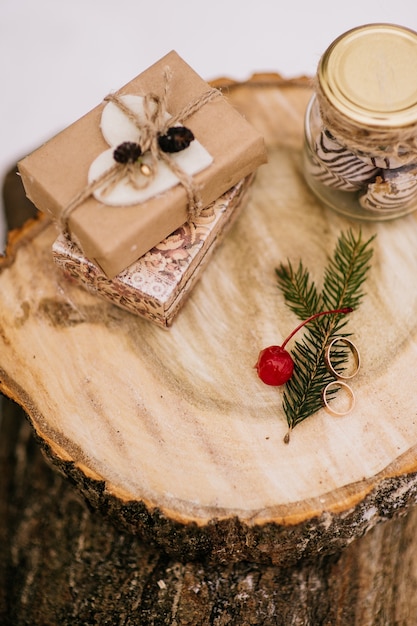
[(360, 155)]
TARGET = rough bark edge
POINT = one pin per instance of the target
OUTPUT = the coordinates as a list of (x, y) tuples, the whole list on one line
[(262, 79), (69, 567), (230, 540)]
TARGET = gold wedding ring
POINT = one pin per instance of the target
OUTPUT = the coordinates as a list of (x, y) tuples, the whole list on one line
[(354, 351), (338, 384)]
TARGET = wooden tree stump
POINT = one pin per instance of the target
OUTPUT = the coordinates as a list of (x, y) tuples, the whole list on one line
[(170, 434)]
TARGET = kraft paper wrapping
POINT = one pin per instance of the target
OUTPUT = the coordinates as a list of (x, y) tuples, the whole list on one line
[(115, 237)]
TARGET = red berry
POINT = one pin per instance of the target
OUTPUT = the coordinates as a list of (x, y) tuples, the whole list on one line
[(275, 365)]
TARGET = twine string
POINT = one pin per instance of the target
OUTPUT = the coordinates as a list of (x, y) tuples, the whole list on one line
[(399, 143), (155, 123)]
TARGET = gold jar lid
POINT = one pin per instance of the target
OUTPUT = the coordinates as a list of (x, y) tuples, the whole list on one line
[(369, 74)]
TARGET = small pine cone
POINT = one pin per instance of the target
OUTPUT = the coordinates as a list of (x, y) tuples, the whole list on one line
[(127, 152), (176, 138)]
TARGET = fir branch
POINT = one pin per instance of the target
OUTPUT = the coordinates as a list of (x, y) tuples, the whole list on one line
[(299, 291), (347, 271), (342, 287)]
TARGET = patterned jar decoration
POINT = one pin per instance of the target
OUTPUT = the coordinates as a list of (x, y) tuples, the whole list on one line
[(360, 155)]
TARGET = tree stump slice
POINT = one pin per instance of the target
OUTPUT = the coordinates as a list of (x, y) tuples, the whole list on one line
[(170, 434)]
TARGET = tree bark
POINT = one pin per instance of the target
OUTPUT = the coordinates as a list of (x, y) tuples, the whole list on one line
[(62, 563)]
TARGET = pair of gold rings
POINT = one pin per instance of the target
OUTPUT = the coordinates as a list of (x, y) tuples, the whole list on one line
[(335, 362)]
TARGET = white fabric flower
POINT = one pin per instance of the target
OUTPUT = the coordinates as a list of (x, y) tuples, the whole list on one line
[(117, 128)]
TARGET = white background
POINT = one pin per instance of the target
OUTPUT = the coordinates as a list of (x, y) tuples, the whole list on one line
[(58, 58)]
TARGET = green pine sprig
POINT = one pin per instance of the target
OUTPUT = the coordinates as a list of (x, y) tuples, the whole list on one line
[(342, 287)]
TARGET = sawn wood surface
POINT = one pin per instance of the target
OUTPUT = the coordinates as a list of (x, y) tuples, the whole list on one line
[(170, 433)]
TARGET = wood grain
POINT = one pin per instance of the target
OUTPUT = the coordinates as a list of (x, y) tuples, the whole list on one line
[(171, 433)]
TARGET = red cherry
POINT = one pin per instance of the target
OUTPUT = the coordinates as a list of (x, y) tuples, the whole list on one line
[(275, 365)]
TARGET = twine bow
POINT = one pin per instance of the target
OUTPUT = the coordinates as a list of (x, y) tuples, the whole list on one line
[(155, 124)]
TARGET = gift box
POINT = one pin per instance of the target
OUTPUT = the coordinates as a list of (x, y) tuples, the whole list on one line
[(59, 177), (156, 285)]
